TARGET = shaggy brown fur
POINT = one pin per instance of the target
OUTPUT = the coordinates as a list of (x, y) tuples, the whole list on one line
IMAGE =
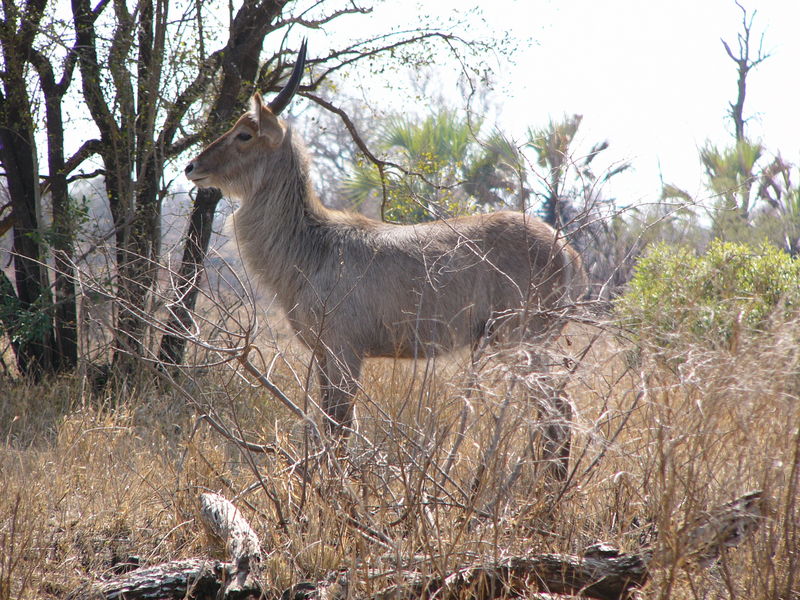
[(354, 287)]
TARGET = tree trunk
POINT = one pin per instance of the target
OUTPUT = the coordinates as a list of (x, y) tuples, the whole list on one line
[(240, 69), (173, 345), (31, 325), (63, 238)]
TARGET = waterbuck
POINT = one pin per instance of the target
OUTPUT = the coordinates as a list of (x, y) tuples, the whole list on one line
[(353, 287)]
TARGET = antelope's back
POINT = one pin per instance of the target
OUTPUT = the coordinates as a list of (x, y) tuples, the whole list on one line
[(528, 259), (448, 279), (400, 290)]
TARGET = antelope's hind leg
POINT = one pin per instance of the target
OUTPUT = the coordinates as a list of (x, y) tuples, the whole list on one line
[(555, 419), (550, 435)]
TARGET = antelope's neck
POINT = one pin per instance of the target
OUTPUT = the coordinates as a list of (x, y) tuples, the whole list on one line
[(281, 231)]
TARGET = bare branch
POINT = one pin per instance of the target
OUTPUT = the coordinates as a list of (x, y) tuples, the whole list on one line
[(361, 50), (317, 23), (88, 149)]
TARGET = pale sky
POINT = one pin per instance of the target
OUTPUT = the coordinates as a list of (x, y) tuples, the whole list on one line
[(651, 77)]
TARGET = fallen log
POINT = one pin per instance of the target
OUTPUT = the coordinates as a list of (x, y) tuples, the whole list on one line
[(196, 577), (606, 575), (723, 527), (601, 572), (243, 547), (610, 576)]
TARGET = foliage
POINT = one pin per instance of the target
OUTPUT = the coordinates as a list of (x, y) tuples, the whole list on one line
[(24, 324), (678, 297), (435, 156), (730, 173), (752, 196), (445, 165)]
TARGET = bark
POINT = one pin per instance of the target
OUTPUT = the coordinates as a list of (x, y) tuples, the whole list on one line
[(130, 155), (196, 577), (242, 545), (607, 575), (31, 302), (116, 148), (54, 324), (193, 578), (63, 238)]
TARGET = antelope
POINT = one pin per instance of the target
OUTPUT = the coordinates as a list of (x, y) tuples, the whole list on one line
[(353, 287)]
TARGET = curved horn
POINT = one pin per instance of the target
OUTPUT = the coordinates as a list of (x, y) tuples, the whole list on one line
[(285, 95)]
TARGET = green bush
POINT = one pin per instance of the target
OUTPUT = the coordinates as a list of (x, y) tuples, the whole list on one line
[(677, 297)]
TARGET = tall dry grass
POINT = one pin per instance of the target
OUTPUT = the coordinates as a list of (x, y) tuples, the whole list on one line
[(442, 471)]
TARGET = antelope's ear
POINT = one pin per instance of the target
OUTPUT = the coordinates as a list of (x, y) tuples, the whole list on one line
[(256, 103), (269, 126)]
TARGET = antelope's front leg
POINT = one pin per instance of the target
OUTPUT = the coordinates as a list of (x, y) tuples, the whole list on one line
[(338, 378)]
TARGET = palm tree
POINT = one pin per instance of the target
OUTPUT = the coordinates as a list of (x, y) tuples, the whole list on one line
[(570, 184), (753, 199), (499, 175), (445, 169), (571, 190), (731, 175)]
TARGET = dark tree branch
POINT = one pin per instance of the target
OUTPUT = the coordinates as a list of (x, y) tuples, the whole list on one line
[(89, 175), (351, 128), (380, 164), (183, 144), (180, 107), (88, 149), (86, 47), (744, 63)]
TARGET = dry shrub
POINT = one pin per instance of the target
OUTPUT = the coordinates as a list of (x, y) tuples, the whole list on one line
[(440, 473), (716, 424)]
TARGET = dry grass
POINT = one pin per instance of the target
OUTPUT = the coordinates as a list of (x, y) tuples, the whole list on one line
[(439, 475)]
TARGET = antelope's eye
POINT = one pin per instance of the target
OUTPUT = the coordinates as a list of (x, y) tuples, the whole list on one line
[(243, 136)]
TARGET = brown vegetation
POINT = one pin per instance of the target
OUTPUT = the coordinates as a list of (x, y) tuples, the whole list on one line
[(436, 479)]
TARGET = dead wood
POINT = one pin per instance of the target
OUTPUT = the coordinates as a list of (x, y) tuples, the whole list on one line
[(193, 578), (196, 577), (605, 575), (601, 572), (610, 576), (226, 522), (723, 527)]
